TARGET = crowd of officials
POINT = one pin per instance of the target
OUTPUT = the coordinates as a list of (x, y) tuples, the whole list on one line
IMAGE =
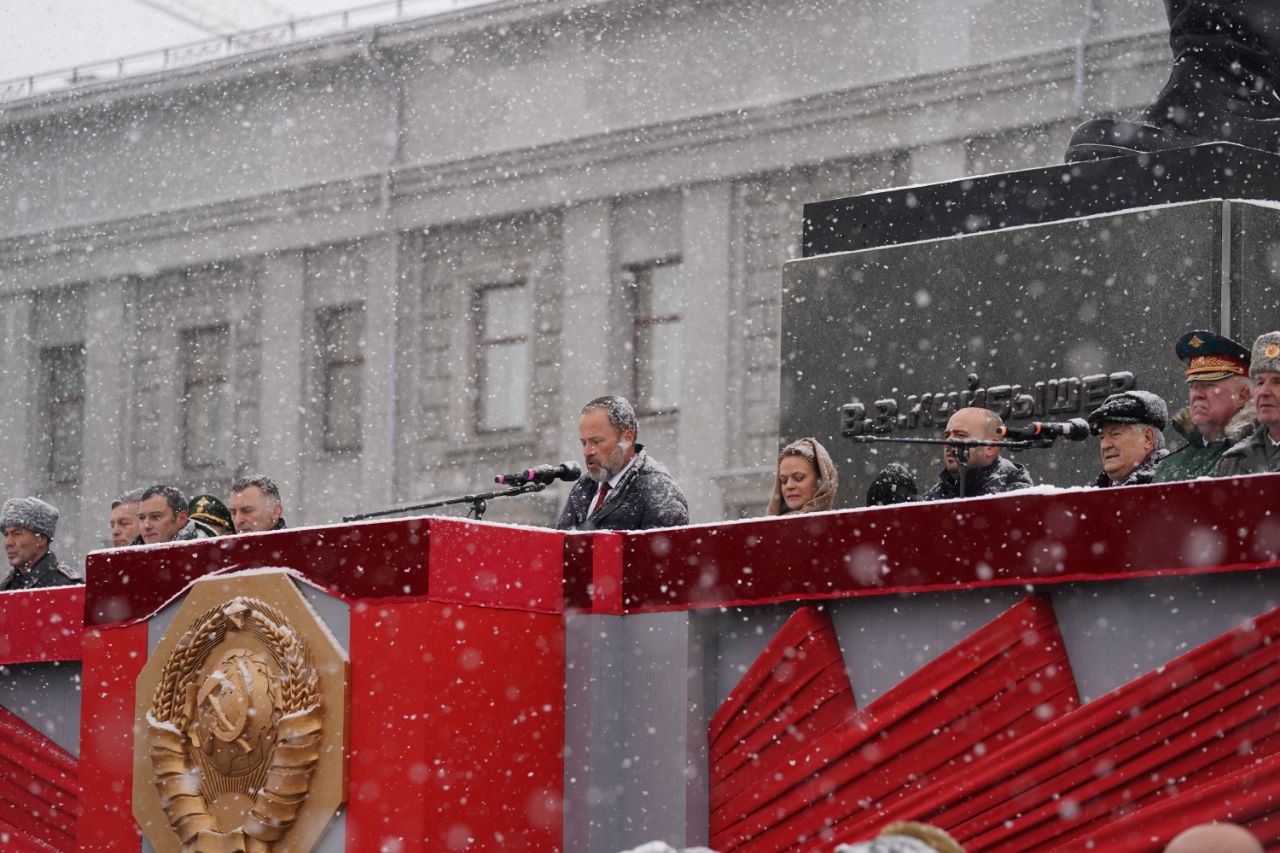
[(1230, 426), (160, 513)]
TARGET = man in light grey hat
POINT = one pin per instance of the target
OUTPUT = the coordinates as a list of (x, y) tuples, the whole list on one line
[(1260, 452), (29, 525)]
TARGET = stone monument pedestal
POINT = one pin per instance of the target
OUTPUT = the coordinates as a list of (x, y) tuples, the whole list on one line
[(1048, 284)]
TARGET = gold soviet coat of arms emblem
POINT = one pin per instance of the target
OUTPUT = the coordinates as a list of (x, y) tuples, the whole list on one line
[(240, 733)]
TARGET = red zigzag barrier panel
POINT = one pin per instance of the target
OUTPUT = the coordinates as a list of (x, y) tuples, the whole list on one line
[(1194, 731), (1250, 797), (794, 693), (1009, 678), (39, 789)]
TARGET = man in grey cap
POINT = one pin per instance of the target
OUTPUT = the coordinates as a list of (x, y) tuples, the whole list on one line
[(29, 525), (1260, 452), (1131, 427)]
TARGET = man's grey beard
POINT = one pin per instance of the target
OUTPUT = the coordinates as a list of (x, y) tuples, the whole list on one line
[(616, 461)]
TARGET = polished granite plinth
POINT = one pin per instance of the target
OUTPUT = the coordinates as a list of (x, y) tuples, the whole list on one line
[(1070, 304)]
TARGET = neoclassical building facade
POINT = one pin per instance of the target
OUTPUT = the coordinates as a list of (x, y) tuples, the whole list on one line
[(388, 264)]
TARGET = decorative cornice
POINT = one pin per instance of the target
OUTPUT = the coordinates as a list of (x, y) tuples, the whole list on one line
[(324, 49), (353, 199)]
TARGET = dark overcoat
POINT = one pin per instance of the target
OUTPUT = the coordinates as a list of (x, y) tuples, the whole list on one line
[(45, 572), (1003, 475), (646, 497)]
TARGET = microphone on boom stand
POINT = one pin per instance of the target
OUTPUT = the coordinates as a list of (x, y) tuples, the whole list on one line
[(524, 482), (1076, 429), (545, 474)]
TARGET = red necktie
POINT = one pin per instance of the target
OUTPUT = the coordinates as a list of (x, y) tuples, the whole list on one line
[(604, 490)]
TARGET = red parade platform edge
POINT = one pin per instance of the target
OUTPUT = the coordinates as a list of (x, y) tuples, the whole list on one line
[(1040, 537), (407, 579)]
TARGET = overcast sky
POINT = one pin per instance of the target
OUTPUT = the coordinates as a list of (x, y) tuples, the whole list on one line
[(48, 35)]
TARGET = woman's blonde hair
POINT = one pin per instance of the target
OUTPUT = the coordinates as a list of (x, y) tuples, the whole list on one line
[(824, 469)]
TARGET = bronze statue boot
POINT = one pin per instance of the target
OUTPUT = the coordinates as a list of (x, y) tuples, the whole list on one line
[(1221, 89)]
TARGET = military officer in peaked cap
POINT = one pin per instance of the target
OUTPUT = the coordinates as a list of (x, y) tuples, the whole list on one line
[(29, 525), (1218, 412), (211, 515)]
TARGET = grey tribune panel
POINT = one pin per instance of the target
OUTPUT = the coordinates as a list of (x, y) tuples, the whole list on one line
[(47, 697)]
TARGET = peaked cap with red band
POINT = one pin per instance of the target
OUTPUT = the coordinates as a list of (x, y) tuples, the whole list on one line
[(1210, 356)]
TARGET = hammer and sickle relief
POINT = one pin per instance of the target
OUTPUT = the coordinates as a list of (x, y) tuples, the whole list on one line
[(235, 729)]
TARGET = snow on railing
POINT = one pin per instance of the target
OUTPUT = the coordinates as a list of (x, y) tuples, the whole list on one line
[(223, 47)]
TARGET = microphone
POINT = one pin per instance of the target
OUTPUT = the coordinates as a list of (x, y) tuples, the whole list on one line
[(1076, 429), (545, 474)]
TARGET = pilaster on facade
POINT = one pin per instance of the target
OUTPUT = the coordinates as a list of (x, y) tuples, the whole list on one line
[(382, 373), (109, 351), (19, 352), (707, 236), (585, 319), (284, 352)]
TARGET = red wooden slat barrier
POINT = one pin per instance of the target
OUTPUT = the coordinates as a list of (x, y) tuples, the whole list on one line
[(1206, 715), (39, 788), (1004, 681), (1249, 796), (795, 692)]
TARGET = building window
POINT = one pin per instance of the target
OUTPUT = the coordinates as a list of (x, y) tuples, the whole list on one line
[(657, 303), (206, 396), (502, 313), (341, 332), (63, 372)]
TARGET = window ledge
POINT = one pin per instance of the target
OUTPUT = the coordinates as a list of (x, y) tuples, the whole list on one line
[(489, 444)]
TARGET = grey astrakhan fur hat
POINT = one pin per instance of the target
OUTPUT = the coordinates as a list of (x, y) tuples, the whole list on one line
[(32, 513), (1266, 355)]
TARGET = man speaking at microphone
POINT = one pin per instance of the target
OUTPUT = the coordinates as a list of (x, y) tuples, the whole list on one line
[(625, 488)]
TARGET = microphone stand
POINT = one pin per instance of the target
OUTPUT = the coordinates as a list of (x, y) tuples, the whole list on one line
[(479, 503), (962, 459)]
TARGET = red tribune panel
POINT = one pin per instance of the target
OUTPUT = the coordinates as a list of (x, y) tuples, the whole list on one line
[(112, 660), (495, 565), (371, 560), (578, 587), (41, 624), (593, 572), (1004, 682), (444, 559), (1207, 715), (39, 791), (457, 728), (1086, 534)]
